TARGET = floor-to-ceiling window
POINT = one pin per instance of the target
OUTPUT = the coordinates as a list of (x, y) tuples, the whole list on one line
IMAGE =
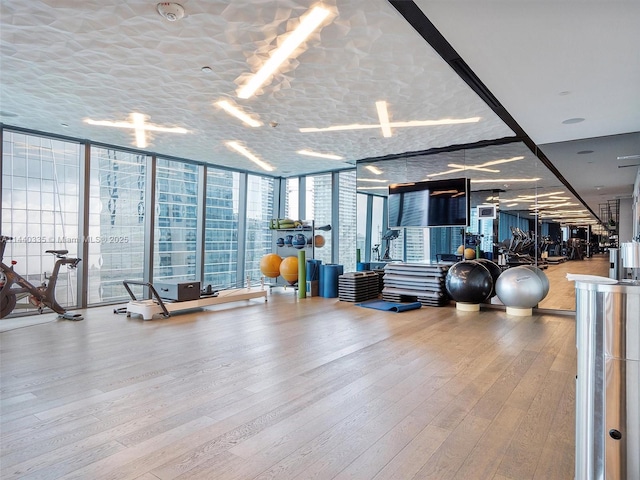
[(221, 228), (347, 225), (319, 208), (259, 212), (292, 199), (116, 223), (377, 229), (361, 227), (176, 220), (42, 184), (41, 207)]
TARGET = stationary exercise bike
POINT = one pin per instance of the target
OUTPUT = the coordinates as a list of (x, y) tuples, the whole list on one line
[(14, 287)]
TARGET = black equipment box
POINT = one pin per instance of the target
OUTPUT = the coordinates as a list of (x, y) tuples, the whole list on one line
[(178, 291)]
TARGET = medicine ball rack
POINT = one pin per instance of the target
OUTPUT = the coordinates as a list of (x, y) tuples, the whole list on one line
[(156, 306)]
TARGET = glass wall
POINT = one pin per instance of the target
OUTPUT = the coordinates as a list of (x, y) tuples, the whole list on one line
[(41, 207), (221, 229), (176, 221), (259, 212), (116, 223)]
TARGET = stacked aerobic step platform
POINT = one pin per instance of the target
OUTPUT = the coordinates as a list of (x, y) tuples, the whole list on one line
[(416, 282), (358, 286)]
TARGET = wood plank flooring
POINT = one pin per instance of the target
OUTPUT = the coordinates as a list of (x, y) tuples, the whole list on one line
[(290, 389), (562, 295)]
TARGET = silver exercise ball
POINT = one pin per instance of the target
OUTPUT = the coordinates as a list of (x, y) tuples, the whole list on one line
[(543, 278), (521, 287)]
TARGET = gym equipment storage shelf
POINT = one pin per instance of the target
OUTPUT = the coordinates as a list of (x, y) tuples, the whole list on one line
[(287, 242)]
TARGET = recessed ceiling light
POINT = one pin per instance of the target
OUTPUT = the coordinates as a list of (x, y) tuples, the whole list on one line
[(569, 121), (65, 125), (566, 92), (8, 114), (239, 114), (207, 69), (284, 51), (311, 153), (246, 153), (584, 152)]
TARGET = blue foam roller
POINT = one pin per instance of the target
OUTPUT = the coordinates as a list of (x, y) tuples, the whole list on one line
[(329, 280)]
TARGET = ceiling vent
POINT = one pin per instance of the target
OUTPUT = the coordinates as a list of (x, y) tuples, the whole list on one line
[(170, 11)]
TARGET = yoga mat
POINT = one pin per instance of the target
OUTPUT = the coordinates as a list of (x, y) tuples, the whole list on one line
[(302, 275), (329, 280), (390, 306)]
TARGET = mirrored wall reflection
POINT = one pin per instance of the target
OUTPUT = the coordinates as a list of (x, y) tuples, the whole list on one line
[(519, 212)]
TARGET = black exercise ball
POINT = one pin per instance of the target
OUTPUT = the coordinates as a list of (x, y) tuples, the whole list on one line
[(494, 270), (469, 282)]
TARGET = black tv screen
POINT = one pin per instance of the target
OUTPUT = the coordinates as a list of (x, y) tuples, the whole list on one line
[(436, 203)]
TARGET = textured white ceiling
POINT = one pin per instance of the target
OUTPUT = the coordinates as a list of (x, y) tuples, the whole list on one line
[(65, 61)]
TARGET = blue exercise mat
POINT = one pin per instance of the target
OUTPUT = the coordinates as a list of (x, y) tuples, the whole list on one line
[(390, 306)]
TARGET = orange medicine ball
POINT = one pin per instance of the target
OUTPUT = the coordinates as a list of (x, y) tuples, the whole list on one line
[(270, 265), (289, 269)]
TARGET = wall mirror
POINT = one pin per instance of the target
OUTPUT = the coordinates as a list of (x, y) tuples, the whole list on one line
[(533, 209)]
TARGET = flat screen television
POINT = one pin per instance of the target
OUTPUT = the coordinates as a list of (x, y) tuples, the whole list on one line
[(434, 203)]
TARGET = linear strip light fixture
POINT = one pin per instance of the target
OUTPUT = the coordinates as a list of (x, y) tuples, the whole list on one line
[(473, 167), (481, 167), (371, 188), (413, 123), (139, 125), (310, 22), (311, 153), (383, 116), (239, 114), (506, 180), (373, 169), (540, 195), (373, 180), (245, 152)]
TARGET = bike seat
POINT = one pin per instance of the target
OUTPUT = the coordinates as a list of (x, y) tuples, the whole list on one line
[(57, 252)]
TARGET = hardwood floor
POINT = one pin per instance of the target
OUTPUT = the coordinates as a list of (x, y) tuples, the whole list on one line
[(562, 295), (313, 388)]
